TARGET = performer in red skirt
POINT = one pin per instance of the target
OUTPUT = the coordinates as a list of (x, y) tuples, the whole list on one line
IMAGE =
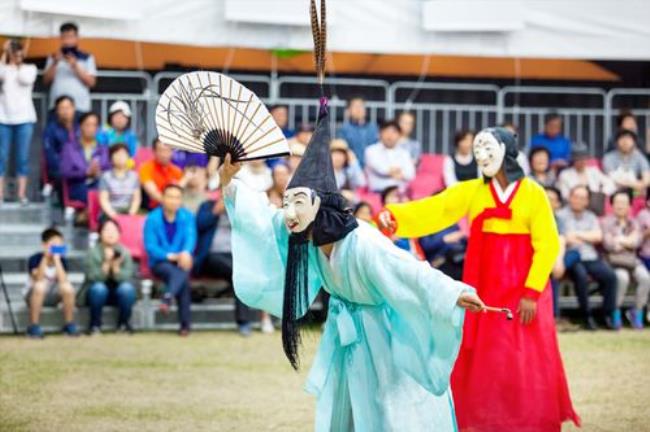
[(509, 374)]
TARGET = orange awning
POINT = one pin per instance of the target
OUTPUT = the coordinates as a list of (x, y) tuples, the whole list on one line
[(119, 54)]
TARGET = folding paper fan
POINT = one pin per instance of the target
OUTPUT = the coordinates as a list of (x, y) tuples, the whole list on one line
[(208, 112)]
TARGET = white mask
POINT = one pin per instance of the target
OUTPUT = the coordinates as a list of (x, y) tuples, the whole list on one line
[(300, 206), (489, 153)]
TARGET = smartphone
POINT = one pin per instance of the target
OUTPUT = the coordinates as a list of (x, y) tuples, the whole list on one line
[(58, 249)]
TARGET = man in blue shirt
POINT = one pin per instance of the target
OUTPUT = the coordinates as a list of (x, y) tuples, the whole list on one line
[(170, 238), (356, 131), (552, 140)]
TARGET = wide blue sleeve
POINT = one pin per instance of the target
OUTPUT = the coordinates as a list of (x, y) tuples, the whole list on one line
[(426, 324), (260, 243)]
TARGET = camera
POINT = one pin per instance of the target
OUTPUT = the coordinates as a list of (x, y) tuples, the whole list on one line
[(15, 46), (70, 51)]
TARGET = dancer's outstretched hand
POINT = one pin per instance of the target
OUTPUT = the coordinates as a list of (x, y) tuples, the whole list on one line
[(385, 222), (228, 170), (471, 302)]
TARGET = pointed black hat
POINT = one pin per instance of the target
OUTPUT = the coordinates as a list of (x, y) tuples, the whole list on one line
[(315, 170)]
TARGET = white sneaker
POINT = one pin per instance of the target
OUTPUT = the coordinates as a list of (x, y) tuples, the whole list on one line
[(267, 325), (47, 190), (68, 214)]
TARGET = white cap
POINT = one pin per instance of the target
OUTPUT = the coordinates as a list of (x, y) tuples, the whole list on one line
[(120, 106)]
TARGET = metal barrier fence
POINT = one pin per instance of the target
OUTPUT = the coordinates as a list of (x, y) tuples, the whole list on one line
[(635, 99), (583, 118), (440, 109)]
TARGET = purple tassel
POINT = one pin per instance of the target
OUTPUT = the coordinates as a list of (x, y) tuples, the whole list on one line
[(323, 106)]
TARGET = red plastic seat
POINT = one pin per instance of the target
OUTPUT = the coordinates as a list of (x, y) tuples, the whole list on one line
[(132, 238), (372, 198), (94, 209), (428, 178), (67, 202)]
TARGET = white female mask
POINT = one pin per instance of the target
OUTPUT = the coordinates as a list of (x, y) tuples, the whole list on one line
[(300, 206), (489, 153)]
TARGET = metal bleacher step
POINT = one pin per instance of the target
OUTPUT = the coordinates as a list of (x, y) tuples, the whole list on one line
[(33, 213), (17, 234), (16, 283)]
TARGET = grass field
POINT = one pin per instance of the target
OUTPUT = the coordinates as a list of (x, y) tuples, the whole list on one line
[(218, 381)]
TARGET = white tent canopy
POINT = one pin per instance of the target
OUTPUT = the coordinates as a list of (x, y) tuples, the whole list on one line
[(578, 29)]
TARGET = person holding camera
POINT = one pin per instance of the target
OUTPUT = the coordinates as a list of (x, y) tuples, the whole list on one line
[(109, 275), (70, 71), (17, 113), (48, 284)]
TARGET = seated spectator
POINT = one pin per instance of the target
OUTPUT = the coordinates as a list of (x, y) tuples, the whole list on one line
[(461, 166), (347, 170), (17, 113), (356, 131), (214, 257), (170, 239), (393, 195), (522, 159), (406, 121), (280, 114), (119, 188), (69, 70), (301, 139), (626, 120), (195, 191), (49, 284), (109, 278), (559, 268), (159, 172), (83, 160), (564, 259), (540, 169), (297, 150), (626, 165), (363, 211), (583, 234), (579, 173), (281, 175), (257, 175), (643, 219), (558, 146), (63, 127), (445, 250), (621, 240), (119, 127), (386, 163)]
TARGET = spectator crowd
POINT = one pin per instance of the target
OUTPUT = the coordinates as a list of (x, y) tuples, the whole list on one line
[(601, 206)]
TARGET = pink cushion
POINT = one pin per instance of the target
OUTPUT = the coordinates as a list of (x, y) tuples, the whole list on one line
[(93, 209), (428, 178), (143, 154)]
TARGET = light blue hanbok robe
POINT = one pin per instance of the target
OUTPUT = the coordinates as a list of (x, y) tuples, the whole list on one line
[(393, 329)]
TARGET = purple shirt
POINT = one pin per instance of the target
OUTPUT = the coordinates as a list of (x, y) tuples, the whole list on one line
[(183, 159)]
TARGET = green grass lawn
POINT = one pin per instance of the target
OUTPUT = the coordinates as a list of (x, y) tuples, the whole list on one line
[(218, 381)]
